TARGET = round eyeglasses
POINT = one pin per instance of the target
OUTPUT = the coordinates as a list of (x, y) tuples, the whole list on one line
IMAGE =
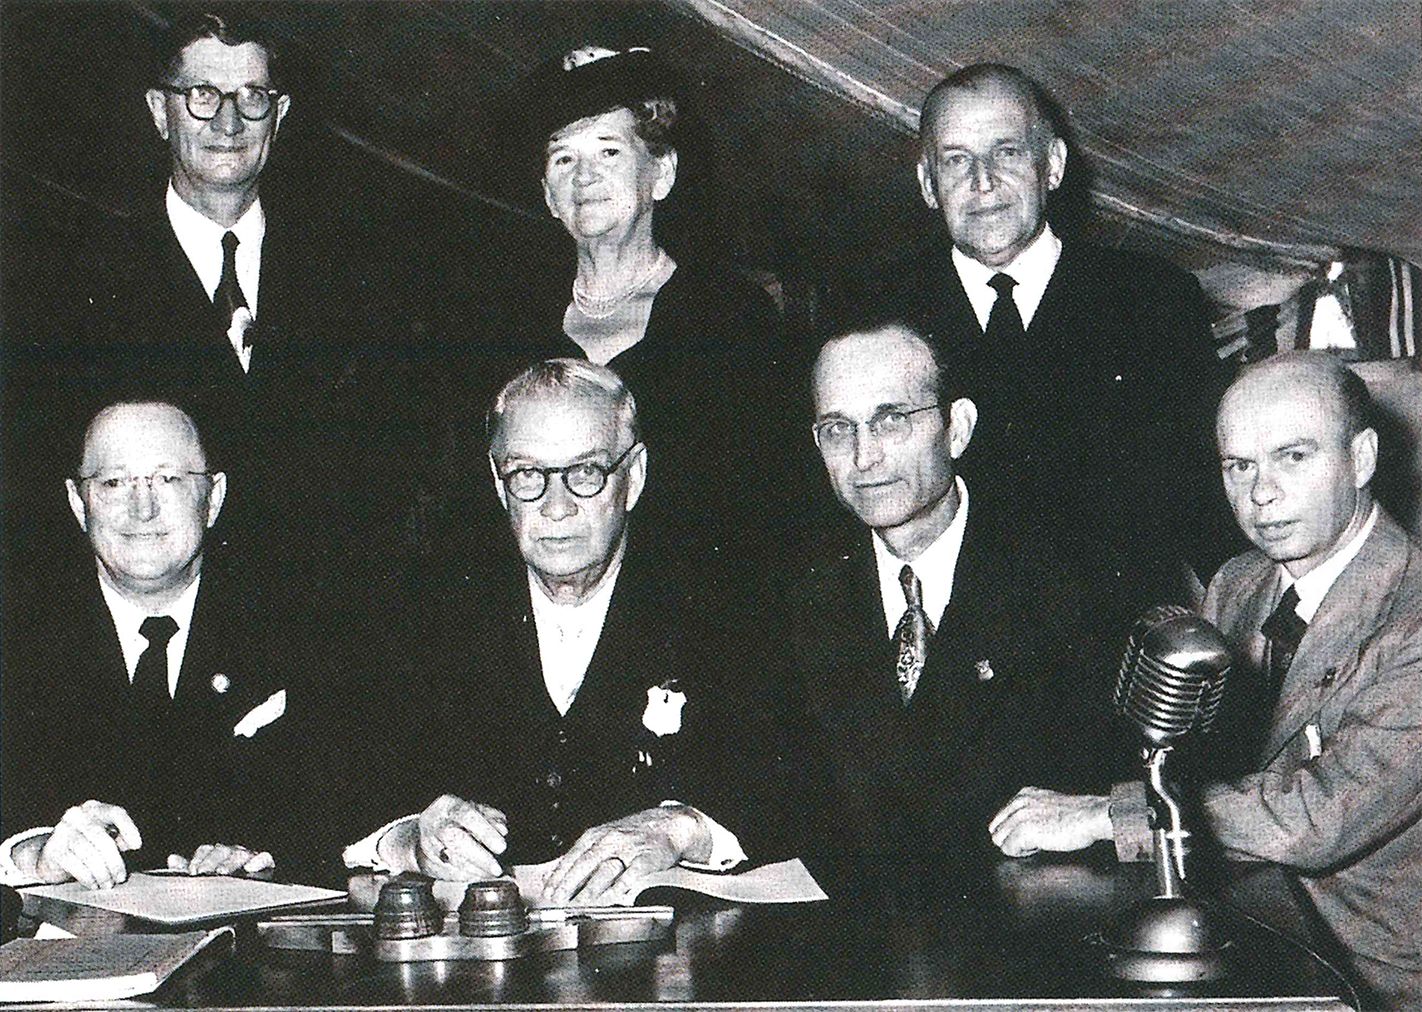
[(252, 101), (584, 480), (170, 484), (836, 435)]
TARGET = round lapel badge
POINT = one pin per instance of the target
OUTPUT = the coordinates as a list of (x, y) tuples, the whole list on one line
[(221, 683)]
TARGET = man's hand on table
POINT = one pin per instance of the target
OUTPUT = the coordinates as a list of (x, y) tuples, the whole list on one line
[(87, 846), (223, 859), (452, 839), (626, 850), (1038, 819)]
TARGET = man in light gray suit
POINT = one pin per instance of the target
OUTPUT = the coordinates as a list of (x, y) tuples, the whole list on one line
[(1329, 605)]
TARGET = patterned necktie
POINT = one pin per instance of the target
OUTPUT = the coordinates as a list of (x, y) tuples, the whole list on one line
[(911, 635), (1004, 326), (228, 298), (1283, 629), (150, 675)]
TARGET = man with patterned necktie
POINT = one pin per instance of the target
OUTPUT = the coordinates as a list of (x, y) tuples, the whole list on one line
[(919, 646)]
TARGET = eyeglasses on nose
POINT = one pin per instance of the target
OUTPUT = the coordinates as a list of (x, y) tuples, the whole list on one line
[(204, 101), (171, 484), (584, 480), (836, 435)]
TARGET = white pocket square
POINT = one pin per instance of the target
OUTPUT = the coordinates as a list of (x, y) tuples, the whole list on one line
[(261, 716)]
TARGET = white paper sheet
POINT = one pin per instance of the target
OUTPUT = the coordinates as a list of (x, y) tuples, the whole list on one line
[(186, 899)]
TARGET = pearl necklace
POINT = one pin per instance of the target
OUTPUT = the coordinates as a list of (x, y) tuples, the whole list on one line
[(600, 307)]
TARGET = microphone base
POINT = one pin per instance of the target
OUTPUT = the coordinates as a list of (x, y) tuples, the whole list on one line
[(1167, 941)]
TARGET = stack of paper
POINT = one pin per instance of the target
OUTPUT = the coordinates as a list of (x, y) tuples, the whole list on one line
[(95, 969)]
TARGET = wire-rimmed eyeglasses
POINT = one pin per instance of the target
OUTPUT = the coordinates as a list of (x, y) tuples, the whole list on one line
[(252, 101), (891, 425), (584, 480), (172, 484)]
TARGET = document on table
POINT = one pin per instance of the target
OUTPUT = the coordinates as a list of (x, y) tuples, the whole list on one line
[(187, 899), (781, 882), (95, 969)]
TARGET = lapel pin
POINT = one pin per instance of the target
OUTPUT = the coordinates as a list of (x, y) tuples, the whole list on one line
[(984, 670), (221, 683)]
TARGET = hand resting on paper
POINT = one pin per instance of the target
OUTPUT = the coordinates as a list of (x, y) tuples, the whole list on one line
[(223, 859), (452, 839), (87, 845), (620, 852)]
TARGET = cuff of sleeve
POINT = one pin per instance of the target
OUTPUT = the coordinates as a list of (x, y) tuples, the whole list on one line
[(10, 873), (1130, 828), (726, 851), (365, 852)]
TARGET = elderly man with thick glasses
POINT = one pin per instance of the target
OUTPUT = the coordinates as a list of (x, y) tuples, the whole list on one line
[(567, 717), (143, 700)]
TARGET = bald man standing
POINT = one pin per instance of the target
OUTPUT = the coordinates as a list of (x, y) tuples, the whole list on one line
[(1328, 606)]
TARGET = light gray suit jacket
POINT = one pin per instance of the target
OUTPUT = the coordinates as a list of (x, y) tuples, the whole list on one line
[(1338, 795)]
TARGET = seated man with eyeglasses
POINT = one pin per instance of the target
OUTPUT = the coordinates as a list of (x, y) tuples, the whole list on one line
[(918, 645), (567, 709), (143, 698)]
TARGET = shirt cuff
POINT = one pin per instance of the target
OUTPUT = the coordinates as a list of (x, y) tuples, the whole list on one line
[(726, 850), (365, 852), (10, 873), (1130, 826)]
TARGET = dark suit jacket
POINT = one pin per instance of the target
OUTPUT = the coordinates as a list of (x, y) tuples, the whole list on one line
[(1102, 425), (915, 786), (70, 733), (484, 728), (1346, 819), (325, 438)]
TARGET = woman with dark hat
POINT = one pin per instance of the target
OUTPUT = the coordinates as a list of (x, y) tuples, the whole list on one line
[(699, 346)]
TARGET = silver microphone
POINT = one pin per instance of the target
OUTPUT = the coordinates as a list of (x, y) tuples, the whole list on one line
[(1171, 681), (1172, 674)]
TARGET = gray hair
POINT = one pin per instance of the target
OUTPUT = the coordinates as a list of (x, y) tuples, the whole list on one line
[(569, 376)]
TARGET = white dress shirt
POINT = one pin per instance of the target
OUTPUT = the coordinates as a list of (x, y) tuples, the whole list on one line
[(201, 239), (1314, 585), (934, 568), (1032, 270), (127, 618), (568, 634)]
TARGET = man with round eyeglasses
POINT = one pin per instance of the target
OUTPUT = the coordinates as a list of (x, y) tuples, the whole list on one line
[(574, 678), (141, 689), (921, 639)]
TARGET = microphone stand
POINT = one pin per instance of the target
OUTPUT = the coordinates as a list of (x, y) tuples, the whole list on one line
[(1170, 938)]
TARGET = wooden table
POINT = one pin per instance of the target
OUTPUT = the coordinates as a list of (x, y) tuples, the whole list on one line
[(1021, 938)]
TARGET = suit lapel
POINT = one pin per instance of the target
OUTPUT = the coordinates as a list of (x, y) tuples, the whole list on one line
[(1349, 614)]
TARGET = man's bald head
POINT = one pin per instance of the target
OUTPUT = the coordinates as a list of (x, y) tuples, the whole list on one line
[(1298, 454)]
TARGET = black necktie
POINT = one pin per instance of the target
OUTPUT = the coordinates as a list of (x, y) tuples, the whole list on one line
[(911, 635), (1283, 629), (1004, 326), (228, 298), (150, 675)]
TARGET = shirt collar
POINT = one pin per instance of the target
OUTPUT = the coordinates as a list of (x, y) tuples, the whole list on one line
[(191, 225), (1314, 585), (128, 616), (1034, 264), (935, 567), (1032, 270)]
